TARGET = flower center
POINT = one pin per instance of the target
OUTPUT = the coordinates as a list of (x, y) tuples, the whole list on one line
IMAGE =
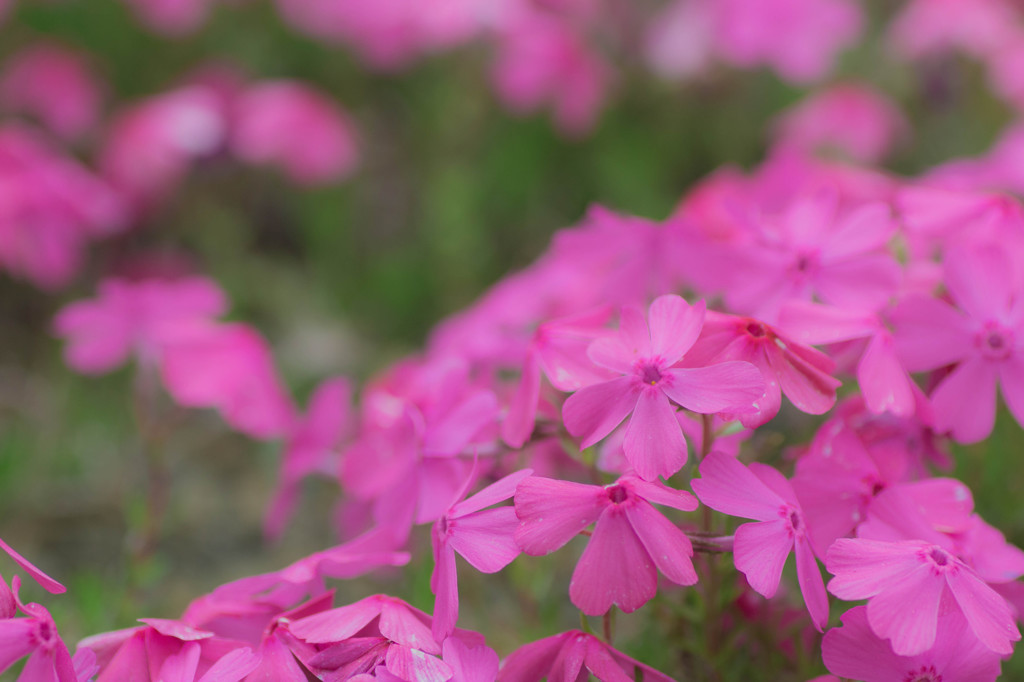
[(44, 634), (923, 674), (617, 494), (994, 341), (756, 329), (650, 374)]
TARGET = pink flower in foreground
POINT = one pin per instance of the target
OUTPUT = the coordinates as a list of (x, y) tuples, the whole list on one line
[(800, 372), (53, 84), (985, 337), (296, 127), (904, 583), (483, 537), (139, 318), (854, 651), (229, 367), (574, 655), (645, 354), (631, 541), (761, 549), (37, 635)]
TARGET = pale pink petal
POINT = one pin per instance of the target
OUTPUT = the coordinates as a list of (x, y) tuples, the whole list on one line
[(675, 326), (726, 387), (869, 228), (810, 389), (666, 544), (470, 663), (410, 664), (815, 323), (987, 613), (863, 568), (531, 662), (614, 569), (883, 380), (612, 353), (853, 651), (980, 281), (337, 624), (552, 512), (603, 665), (445, 585), (946, 503), (451, 434), (635, 334), (232, 667), (907, 611), (929, 333), (486, 539), (400, 625), (727, 486), (760, 551), (865, 282), (592, 412), (522, 407), (812, 587), (499, 491), (969, 420), (654, 442)]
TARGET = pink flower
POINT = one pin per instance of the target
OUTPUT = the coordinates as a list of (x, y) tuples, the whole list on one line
[(798, 38), (37, 635), (483, 537), (310, 449), (572, 655), (984, 336), (229, 367), (760, 549), (55, 85), (904, 583), (45, 581), (172, 17), (851, 118), (798, 371), (931, 27), (631, 542), (296, 127), (135, 318), (645, 354), (854, 651)]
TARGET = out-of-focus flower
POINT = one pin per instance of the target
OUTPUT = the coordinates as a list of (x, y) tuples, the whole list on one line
[(53, 84), (931, 27), (172, 17), (572, 655)]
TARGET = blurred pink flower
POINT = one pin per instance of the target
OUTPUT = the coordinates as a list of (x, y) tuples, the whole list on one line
[(644, 353), (630, 544), (296, 127), (798, 38), (850, 118), (172, 17), (934, 27), (55, 85), (574, 655), (761, 549), (139, 319)]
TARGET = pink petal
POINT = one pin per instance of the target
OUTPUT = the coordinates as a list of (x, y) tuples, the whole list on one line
[(614, 569), (400, 625), (232, 667), (883, 381), (657, 492), (16, 640), (727, 486), (499, 491), (987, 613), (760, 551), (815, 323), (553, 512), (1011, 381), (812, 587), (531, 662), (409, 664), (666, 544), (866, 282), (633, 331), (470, 664), (47, 583), (593, 411), (612, 353), (726, 387), (980, 281), (854, 651), (451, 434), (603, 665), (863, 568), (929, 333), (969, 420), (810, 389), (337, 624), (568, 664), (130, 663), (445, 585), (654, 442), (522, 408), (181, 667), (675, 326), (907, 611), (869, 228), (486, 539)]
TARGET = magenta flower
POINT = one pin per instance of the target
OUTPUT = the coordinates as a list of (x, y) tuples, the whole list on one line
[(760, 549), (37, 635), (853, 651), (631, 542), (645, 354), (802, 373), (571, 656), (985, 338), (904, 583), (47, 583), (291, 125), (483, 537)]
